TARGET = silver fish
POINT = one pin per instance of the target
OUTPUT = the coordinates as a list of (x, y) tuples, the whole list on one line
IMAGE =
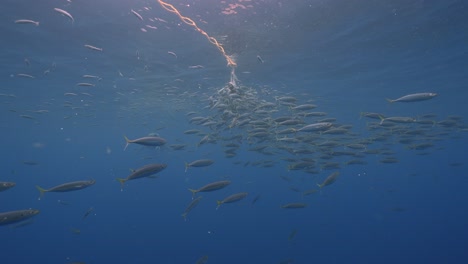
[(67, 187), (6, 185), (232, 198), (199, 163), (191, 206), (413, 97), (16, 216), (316, 127), (146, 141), (211, 187), (143, 172)]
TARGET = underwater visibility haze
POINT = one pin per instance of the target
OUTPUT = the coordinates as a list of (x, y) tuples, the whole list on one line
[(234, 131)]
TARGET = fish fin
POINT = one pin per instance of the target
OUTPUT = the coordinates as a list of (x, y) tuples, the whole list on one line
[(41, 191), (128, 142), (389, 100)]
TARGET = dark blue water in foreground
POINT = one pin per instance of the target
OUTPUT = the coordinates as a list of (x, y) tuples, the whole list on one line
[(405, 202)]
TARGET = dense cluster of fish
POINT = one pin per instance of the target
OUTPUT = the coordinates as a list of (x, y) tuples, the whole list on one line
[(291, 132), (285, 131), (309, 140), (305, 140)]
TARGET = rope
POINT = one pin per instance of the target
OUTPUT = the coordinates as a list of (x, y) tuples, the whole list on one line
[(230, 62)]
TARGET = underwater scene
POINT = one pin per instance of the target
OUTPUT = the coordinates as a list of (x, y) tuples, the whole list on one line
[(234, 131)]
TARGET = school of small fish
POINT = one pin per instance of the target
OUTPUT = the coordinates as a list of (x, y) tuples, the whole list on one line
[(282, 130)]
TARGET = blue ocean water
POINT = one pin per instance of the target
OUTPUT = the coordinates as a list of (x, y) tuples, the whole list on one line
[(405, 204)]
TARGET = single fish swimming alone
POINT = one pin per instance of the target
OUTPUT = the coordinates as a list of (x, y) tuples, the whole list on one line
[(143, 172), (192, 205), (211, 187), (199, 163), (23, 223), (202, 260), (330, 179), (89, 211), (398, 119), (65, 13), (293, 206), (259, 59), (413, 97), (26, 21), (91, 47), (232, 198), (255, 199), (6, 185), (146, 141), (136, 14), (16, 216), (292, 235), (66, 187)]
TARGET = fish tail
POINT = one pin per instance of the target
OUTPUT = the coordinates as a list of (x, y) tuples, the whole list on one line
[(390, 100), (193, 192), (186, 166), (295, 131), (128, 142), (41, 191), (320, 186), (219, 204), (122, 181), (382, 119), (184, 215)]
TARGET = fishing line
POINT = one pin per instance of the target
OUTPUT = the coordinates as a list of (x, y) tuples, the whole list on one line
[(230, 62)]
